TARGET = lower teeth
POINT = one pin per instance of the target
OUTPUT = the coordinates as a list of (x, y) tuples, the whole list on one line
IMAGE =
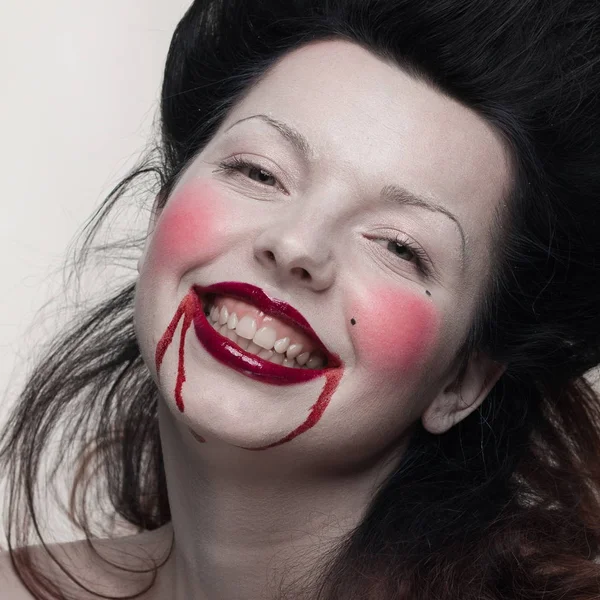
[(290, 363)]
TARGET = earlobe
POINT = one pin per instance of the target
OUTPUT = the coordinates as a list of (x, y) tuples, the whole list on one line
[(463, 394)]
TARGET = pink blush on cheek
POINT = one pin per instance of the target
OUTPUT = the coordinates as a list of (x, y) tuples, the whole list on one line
[(189, 227), (395, 330)]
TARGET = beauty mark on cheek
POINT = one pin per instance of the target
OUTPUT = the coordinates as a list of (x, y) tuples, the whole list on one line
[(189, 228), (395, 330)]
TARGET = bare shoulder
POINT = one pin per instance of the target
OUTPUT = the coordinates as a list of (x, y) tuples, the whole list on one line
[(110, 567)]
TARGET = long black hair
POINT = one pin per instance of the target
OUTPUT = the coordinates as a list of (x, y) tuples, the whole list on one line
[(506, 504)]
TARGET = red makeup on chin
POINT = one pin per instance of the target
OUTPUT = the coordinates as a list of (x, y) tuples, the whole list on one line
[(394, 329), (188, 309)]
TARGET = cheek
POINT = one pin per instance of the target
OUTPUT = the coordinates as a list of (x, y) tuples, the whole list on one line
[(395, 331), (189, 228)]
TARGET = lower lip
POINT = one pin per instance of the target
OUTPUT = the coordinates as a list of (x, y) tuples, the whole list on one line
[(228, 353)]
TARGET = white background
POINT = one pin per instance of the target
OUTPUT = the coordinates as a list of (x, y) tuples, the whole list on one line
[(80, 89)]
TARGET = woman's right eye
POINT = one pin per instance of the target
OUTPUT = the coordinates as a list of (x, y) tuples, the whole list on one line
[(261, 175), (252, 171)]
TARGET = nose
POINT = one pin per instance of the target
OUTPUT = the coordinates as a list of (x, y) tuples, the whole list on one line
[(297, 251)]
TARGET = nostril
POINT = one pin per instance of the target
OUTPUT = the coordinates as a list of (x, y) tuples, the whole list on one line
[(270, 255), (304, 274)]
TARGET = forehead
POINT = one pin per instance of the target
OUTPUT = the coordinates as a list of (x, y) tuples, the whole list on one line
[(373, 124)]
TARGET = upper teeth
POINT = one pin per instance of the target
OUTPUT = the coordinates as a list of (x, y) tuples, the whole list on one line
[(263, 341)]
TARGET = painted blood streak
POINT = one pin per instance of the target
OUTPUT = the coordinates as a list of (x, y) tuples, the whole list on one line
[(332, 380), (188, 307)]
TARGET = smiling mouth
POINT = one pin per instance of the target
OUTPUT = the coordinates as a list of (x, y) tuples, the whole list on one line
[(262, 338), (261, 335)]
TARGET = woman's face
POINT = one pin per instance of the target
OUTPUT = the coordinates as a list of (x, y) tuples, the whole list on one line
[(363, 199)]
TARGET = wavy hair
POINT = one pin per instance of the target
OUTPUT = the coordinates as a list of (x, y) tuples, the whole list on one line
[(506, 504)]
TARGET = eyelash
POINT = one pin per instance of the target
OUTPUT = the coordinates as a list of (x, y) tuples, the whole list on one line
[(234, 166), (422, 261)]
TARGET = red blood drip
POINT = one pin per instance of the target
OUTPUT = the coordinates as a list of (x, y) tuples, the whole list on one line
[(189, 305), (187, 320), (167, 338), (333, 378)]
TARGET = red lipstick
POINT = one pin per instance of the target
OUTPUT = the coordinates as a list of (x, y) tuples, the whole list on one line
[(230, 354), (191, 311)]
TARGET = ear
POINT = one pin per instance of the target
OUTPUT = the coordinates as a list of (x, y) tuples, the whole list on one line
[(463, 395), (151, 225)]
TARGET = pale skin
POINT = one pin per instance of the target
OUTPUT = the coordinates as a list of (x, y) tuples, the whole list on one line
[(311, 229)]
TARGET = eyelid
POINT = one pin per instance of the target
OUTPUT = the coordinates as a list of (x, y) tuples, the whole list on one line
[(423, 262), (233, 165)]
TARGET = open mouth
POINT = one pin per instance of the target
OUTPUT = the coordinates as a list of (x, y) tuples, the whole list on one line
[(261, 335), (244, 328)]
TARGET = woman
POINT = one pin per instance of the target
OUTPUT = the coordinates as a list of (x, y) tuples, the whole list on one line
[(352, 362)]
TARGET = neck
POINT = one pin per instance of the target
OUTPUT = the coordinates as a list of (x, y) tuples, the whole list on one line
[(246, 524)]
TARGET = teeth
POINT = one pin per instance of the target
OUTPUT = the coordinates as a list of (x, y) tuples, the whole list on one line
[(253, 348), (294, 350), (263, 342), (246, 328), (232, 321), (282, 345), (223, 316), (277, 359), (303, 358), (265, 337), (243, 343), (315, 362)]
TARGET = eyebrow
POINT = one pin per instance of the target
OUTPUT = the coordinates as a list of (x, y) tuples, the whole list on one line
[(298, 141), (399, 196), (390, 194)]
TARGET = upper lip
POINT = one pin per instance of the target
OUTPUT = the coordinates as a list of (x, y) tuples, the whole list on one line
[(271, 306)]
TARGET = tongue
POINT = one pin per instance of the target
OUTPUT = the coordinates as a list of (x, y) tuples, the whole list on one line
[(242, 309)]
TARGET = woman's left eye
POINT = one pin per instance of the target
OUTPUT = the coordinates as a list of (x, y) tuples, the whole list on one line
[(251, 170), (261, 176), (409, 252), (401, 250)]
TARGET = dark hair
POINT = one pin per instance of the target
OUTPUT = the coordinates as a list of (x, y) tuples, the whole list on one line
[(506, 504)]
